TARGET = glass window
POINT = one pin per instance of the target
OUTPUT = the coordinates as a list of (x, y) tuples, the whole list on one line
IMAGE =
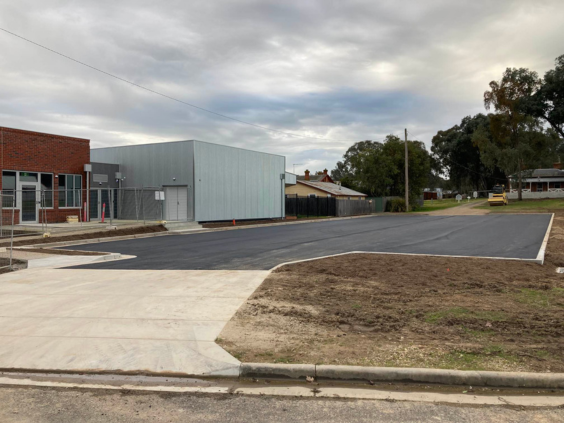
[(62, 188), (8, 189), (47, 190), (70, 194), (539, 186), (70, 198), (557, 185), (77, 188), (28, 177)]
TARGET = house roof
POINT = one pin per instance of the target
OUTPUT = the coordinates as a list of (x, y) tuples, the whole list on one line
[(333, 189), (314, 178), (543, 173)]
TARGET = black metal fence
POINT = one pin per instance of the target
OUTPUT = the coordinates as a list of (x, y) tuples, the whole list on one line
[(310, 206), (326, 206)]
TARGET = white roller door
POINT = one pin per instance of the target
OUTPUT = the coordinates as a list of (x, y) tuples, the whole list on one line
[(176, 203)]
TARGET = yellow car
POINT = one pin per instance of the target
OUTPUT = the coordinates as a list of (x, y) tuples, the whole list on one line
[(499, 197)]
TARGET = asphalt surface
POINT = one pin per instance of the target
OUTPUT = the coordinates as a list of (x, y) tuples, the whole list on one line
[(508, 236), (503, 236), (69, 406)]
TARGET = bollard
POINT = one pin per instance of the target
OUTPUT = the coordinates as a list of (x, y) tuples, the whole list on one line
[(103, 211)]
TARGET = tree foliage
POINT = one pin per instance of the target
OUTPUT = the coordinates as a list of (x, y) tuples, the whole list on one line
[(458, 157), (378, 169), (547, 102), (518, 141)]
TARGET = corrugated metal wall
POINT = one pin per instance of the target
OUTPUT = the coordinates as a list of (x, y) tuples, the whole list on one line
[(223, 182), (232, 183), (153, 165)]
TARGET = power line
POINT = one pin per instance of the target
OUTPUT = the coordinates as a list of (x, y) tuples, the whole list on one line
[(167, 96)]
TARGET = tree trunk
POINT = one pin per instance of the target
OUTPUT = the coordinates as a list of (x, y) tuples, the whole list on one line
[(520, 187)]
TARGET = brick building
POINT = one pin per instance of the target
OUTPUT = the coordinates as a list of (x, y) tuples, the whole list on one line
[(41, 170)]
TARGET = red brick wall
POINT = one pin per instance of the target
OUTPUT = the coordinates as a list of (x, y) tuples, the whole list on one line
[(37, 152), (7, 216)]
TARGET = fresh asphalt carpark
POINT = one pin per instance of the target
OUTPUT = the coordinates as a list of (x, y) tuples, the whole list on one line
[(518, 236), (162, 311)]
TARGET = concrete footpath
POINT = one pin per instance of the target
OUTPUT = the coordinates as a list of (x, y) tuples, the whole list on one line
[(119, 320)]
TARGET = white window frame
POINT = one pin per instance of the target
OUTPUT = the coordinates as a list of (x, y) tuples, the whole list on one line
[(19, 184), (65, 191), (17, 172)]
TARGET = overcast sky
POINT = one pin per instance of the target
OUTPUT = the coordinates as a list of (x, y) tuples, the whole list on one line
[(342, 70)]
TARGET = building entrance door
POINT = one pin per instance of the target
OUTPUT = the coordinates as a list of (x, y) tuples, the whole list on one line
[(30, 204), (99, 197), (93, 204), (176, 203)]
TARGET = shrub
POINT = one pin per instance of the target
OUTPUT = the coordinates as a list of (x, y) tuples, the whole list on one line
[(397, 205)]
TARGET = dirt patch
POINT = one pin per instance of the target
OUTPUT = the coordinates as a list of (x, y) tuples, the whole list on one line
[(62, 252), (17, 264), (464, 209), (408, 311), (139, 230)]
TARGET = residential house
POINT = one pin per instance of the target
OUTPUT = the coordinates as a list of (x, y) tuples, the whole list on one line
[(321, 186), (540, 183)]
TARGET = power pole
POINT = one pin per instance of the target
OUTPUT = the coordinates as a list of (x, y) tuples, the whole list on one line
[(406, 176)]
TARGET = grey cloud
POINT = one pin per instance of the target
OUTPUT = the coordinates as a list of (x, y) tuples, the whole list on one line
[(347, 71)]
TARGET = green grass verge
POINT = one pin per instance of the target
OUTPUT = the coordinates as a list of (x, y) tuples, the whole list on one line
[(541, 299), (527, 206), (466, 360)]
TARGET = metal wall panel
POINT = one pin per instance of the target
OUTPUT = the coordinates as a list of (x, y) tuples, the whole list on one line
[(153, 165), (104, 169), (233, 183), (229, 183), (290, 179)]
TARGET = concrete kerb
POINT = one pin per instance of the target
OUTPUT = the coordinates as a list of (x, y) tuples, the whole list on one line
[(404, 375), (289, 222), (540, 256), (181, 232)]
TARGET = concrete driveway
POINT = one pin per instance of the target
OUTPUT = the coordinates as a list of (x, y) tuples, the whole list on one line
[(120, 320), (502, 236)]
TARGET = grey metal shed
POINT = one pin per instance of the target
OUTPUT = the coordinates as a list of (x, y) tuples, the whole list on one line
[(203, 181)]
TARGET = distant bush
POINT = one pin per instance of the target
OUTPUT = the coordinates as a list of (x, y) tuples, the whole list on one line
[(396, 205), (414, 206)]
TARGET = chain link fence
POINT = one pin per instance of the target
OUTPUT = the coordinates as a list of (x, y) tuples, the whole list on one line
[(7, 202), (35, 210)]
